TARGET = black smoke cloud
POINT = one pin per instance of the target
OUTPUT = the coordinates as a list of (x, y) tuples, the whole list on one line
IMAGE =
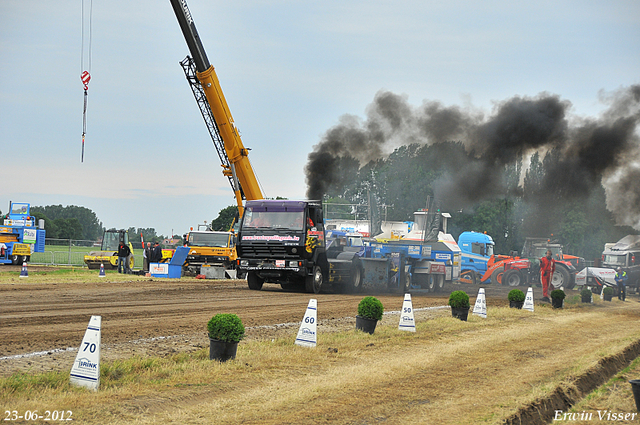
[(590, 151)]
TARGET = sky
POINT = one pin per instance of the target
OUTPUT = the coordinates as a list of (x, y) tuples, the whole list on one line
[(289, 71)]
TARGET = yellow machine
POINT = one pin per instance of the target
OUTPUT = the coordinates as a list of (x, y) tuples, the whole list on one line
[(108, 254), (215, 111), (209, 248)]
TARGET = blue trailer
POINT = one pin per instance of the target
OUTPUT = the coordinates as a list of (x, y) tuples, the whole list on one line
[(19, 235), (429, 257)]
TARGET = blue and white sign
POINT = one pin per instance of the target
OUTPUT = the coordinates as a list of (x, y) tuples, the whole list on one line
[(307, 334), (86, 368)]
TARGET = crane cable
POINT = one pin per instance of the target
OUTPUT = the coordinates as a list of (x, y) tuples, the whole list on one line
[(85, 75)]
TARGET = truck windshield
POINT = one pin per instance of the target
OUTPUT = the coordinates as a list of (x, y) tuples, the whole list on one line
[(615, 260), (19, 209), (489, 250), (216, 240), (273, 220)]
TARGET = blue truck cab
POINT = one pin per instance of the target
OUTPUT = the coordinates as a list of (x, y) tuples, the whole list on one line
[(476, 248), (19, 236)]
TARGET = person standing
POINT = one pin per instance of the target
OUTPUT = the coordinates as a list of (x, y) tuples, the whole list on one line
[(621, 280), (547, 267), (157, 252), (123, 258), (146, 254)]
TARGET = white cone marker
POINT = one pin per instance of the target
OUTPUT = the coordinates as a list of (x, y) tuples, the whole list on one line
[(86, 368), (101, 274), (528, 300), (480, 309), (307, 334), (23, 271), (407, 322)]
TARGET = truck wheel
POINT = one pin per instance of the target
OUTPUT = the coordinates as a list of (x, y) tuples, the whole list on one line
[(496, 276), (406, 283), (561, 278), (16, 259), (313, 283), (356, 278), (512, 278), (254, 281), (438, 282), (431, 282)]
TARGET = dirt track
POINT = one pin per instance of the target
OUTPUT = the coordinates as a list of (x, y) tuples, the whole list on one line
[(159, 314), (39, 317)]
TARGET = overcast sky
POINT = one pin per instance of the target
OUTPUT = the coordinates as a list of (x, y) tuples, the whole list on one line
[(289, 71)]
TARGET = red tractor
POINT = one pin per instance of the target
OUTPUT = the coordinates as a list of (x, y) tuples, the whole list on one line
[(515, 271)]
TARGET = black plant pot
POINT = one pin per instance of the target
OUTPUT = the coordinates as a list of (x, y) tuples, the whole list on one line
[(586, 299), (365, 324), (607, 297), (221, 350), (516, 304), (460, 313), (556, 302), (635, 387)]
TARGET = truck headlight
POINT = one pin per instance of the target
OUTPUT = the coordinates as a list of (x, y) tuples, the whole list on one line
[(244, 263)]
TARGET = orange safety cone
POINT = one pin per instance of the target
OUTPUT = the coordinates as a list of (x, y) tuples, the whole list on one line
[(23, 272), (101, 271)]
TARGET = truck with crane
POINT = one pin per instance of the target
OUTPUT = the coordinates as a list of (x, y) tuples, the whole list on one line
[(280, 250), (19, 235)]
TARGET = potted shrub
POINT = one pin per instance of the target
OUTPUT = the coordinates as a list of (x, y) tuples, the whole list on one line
[(516, 298), (459, 302), (585, 294), (370, 311), (607, 292), (225, 331), (557, 298)]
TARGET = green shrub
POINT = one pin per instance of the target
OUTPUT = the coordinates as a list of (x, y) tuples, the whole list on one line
[(226, 327), (371, 308), (585, 293), (607, 290), (516, 295), (459, 299), (558, 294)]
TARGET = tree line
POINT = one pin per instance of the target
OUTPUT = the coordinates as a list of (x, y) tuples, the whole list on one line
[(402, 182), (81, 223)]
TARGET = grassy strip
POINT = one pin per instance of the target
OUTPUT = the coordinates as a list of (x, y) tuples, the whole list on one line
[(134, 387), (615, 396)]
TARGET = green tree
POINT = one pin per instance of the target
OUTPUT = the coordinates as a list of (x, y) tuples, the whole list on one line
[(225, 219), (91, 227)]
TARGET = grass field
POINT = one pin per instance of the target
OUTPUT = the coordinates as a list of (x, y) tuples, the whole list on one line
[(73, 255)]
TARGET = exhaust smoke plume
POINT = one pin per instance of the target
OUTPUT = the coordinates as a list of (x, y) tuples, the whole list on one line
[(587, 151)]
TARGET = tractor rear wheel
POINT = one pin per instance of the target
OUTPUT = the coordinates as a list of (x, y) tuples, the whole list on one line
[(561, 278), (512, 278)]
